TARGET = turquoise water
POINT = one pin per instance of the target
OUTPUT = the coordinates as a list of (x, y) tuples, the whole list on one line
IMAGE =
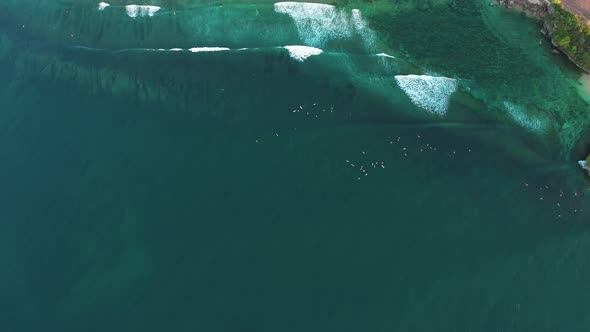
[(243, 190)]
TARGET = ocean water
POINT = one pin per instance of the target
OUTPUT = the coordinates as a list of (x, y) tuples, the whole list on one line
[(368, 166)]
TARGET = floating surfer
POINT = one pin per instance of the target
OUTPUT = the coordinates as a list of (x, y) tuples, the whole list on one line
[(585, 164)]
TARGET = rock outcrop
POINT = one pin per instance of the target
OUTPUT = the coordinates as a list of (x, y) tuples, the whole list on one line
[(536, 8), (549, 12)]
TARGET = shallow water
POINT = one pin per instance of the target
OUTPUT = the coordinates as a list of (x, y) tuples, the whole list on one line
[(246, 190)]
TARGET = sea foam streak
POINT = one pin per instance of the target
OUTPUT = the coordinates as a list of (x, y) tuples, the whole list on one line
[(520, 116), (134, 11), (362, 28), (428, 92), (300, 53), (318, 23), (385, 55)]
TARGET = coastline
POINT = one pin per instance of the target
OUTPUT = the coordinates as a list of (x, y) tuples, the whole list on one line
[(534, 8), (580, 8), (566, 29), (557, 16)]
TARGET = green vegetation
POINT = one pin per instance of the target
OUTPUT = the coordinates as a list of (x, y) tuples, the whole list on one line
[(571, 34)]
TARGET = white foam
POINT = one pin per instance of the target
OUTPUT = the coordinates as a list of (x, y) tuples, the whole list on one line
[(208, 49), (176, 49), (309, 8), (385, 55), (520, 116), (361, 27), (582, 164), (300, 53), (428, 92), (102, 6), (134, 11), (318, 23)]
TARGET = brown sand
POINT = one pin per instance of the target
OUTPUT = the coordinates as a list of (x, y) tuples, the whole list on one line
[(580, 7)]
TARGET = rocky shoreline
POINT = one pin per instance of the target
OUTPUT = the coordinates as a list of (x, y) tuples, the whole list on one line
[(543, 10), (535, 8)]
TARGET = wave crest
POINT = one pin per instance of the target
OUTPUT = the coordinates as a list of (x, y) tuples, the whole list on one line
[(208, 49), (102, 6), (134, 11), (318, 23), (300, 53)]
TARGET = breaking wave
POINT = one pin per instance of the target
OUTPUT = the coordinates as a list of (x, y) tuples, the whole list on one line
[(300, 53), (134, 11), (319, 23), (428, 92), (102, 6)]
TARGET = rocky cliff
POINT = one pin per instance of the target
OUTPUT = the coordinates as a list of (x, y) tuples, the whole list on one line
[(566, 31)]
